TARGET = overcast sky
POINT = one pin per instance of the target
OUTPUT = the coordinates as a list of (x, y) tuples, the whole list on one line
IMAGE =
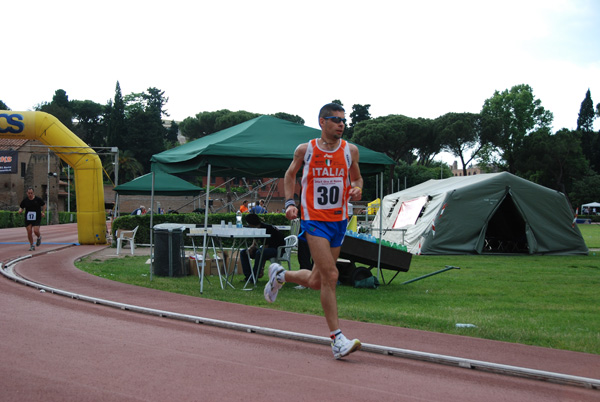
[(416, 58)]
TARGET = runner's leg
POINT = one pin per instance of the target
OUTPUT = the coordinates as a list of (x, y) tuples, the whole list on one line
[(29, 233), (324, 258)]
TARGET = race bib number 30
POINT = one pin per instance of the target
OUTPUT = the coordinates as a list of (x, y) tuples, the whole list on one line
[(328, 192), (31, 216)]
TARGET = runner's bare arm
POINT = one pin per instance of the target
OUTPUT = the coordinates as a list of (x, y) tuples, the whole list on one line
[(356, 179)]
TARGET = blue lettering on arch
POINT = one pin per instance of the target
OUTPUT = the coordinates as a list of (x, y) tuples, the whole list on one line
[(14, 123)]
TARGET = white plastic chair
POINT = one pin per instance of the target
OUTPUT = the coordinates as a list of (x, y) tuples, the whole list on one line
[(284, 253), (126, 235)]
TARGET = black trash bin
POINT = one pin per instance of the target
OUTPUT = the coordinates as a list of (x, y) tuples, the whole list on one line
[(169, 252)]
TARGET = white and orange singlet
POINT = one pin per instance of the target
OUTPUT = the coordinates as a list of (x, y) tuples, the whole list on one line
[(326, 183)]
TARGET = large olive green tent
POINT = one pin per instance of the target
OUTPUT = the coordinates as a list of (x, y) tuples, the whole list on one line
[(486, 213), (261, 147)]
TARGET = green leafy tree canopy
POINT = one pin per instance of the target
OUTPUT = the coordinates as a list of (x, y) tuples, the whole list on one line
[(459, 134), (516, 113), (289, 117)]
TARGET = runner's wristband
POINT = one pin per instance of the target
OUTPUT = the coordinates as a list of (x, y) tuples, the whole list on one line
[(290, 203)]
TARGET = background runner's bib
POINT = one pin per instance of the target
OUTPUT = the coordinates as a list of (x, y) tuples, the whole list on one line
[(326, 183)]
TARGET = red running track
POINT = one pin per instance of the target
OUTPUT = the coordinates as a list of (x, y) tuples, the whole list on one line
[(56, 348)]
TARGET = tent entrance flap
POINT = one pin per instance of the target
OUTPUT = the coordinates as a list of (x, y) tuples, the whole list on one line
[(505, 231)]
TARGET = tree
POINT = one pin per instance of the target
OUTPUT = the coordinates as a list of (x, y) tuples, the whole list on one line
[(116, 128), (155, 102), (460, 133), (206, 123), (59, 108), (289, 117), (61, 99), (426, 141), (135, 123), (90, 118), (390, 135), (191, 128), (585, 189), (146, 134), (552, 160), (590, 141), (510, 116), (359, 113), (585, 121), (129, 167), (233, 119), (172, 132), (3, 106), (414, 174)]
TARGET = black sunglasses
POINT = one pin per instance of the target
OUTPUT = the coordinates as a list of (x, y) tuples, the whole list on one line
[(336, 119)]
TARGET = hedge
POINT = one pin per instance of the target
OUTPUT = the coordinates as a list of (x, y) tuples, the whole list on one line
[(594, 218), (12, 219)]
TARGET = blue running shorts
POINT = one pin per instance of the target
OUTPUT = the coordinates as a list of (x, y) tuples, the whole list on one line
[(332, 231)]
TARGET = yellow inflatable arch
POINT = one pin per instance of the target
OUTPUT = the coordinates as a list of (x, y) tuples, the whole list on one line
[(91, 218)]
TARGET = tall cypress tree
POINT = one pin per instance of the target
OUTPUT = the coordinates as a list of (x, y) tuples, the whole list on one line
[(585, 121), (590, 143), (115, 116)]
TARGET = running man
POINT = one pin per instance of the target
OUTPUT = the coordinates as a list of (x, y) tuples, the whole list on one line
[(330, 177), (35, 210)]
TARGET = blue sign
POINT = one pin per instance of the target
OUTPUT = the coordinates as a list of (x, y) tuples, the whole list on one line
[(13, 123)]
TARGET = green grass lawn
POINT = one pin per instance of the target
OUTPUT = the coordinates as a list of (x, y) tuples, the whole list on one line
[(550, 301), (591, 235)]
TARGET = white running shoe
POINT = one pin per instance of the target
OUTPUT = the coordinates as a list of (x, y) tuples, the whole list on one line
[(273, 285), (343, 346)]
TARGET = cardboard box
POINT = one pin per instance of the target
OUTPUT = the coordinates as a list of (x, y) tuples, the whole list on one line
[(238, 268), (210, 267), (238, 265), (211, 264)]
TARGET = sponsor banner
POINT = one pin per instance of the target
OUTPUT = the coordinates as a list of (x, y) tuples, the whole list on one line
[(8, 162)]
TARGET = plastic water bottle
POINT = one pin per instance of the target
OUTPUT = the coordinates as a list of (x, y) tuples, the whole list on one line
[(238, 219)]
